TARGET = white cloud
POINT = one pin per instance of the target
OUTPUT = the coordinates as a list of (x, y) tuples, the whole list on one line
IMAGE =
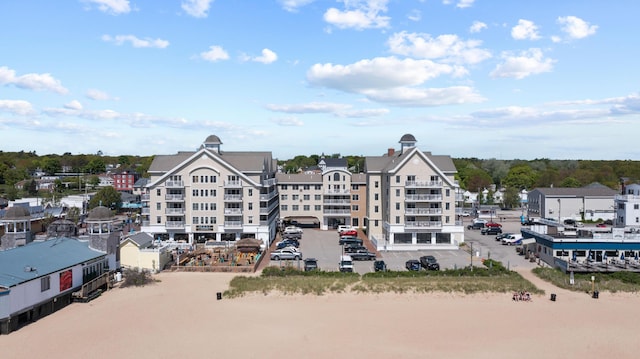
[(460, 4), (359, 15), (36, 82), (288, 121), (449, 48), (294, 5), (215, 53), (366, 113), (425, 97), (312, 107), (136, 42), (576, 28), (267, 57), (196, 8), (377, 73), (414, 15), (525, 30), (18, 107), (73, 105), (97, 95), (114, 7), (526, 63), (477, 26)]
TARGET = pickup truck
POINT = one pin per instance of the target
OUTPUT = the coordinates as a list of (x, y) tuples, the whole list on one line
[(362, 255)]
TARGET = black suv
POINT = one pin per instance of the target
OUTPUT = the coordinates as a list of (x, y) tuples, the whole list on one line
[(354, 247), (491, 230), (429, 263), (350, 240), (380, 266), (310, 264), (476, 225), (412, 264)]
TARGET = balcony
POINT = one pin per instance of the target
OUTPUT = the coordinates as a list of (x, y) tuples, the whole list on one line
[(337, 211), (174, 184), (174, 197), (423, 198), (233, 184), (145, 223), (337, 201), (423, 184), (268, 196), (269, 182), (337, 191), (233, 224), (268, 209), (145, 197), (422, 224), (233, 198), (423, 211), (174, 211), (233, 211), (174, 224), (146, 211)]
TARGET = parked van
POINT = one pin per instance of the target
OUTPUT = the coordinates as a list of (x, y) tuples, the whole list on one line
[(512, 239), (346, 264)]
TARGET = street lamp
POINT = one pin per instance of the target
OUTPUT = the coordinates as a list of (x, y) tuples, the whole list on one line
[(559, 210)]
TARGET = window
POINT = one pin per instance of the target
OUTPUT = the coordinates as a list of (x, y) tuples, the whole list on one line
[(158, 206), (194, 179), (397, 192), (317, 197), (317, 207), (397, 179), (636, 206), (250, 192), (375, 197), (446, 206), (213, 220), (284, 187), (375, 184), (213, 193), (375, 209), (295, 197), (206, 193), (214, 206), (213, 179), (306, 208), (446, 219), (354, 207), (45, 283), (336, 177), (250, 206), (250, 219), (318, 187), (355, 187), (158, 219), (194, 193), (306, 187), (295, 207), (283, 197), (194, 220), (397, 219), (306, 197), (159, 192), (375, 223), (355, 197), (284, 207), (295, 187), (194, 206), (397, 205), (447, 192)]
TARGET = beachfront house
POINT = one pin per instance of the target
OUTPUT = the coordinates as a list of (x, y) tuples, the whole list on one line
[(140, 251)]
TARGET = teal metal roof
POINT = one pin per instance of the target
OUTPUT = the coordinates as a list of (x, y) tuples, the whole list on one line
[(37, 259)]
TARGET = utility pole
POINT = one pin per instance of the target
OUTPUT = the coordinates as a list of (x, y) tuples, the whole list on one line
[(471, 256)]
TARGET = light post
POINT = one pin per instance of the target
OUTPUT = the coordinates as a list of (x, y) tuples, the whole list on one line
[(559, 210)]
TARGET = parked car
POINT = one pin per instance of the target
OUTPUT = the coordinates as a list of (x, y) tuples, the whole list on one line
[(502, 235), (601, 225), (345, 264), (347, 240), (286, 253), (354, 247), (344, 227), (291, 235), (493, 224), (476, 225), (310, 264), (379, 266), (292, 229), (362, 255), (288, 243), (512, 240), (491, 230), (412, 264), (429, 262), (350, 233)]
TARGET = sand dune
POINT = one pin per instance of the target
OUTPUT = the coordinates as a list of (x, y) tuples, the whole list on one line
[(180, 317)]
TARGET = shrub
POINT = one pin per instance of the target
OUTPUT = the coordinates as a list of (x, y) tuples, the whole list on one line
[(136, 277)]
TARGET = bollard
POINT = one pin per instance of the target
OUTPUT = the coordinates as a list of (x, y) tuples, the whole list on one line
[(553, 297), (219, 295), (596, 294)]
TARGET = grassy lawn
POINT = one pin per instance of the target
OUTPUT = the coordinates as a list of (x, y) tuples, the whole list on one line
[(293, 281), (605, 282)]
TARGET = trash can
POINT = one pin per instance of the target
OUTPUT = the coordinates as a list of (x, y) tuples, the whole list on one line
[(553, 297), (219, 295), (596, 294)]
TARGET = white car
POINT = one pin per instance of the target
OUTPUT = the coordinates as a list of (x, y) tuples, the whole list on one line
[(292, 230), (344, 228), (286, 253)]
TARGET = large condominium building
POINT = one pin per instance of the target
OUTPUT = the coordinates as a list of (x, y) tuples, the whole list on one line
[(411, 199), (211, 194), (331, 195)]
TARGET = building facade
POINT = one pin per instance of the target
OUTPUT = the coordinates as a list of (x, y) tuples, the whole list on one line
[(210, 194), (590, 203), (411, 200), (627, 207)]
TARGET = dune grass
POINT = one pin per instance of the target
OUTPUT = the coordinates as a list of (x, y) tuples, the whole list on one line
[(496, 279), (605, 282)]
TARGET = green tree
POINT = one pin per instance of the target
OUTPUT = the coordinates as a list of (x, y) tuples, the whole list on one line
[(520, 177), (50, 165), (511, 198), (107, 197), (32, 187), (94, 181), (73, 214), (124, 160), (570, 182), (96, 165), (15, 175)]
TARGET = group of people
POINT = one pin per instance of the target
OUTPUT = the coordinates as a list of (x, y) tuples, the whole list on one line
[(521, 296)]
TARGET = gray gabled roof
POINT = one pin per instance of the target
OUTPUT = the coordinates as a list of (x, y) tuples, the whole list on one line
[(37, 259), (596, 191), (335, 162), (298, 178), (141, 239)]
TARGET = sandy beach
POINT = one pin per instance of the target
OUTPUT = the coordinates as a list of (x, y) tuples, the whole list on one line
[(180, 317)]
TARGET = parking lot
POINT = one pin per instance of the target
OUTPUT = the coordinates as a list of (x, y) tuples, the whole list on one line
[(323, 245)]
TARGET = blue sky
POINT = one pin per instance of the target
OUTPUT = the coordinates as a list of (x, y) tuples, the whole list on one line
[(468, 78)]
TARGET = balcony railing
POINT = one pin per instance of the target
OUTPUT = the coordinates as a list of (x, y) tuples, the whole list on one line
[(422, 224), (174, 184), (424, 184), (233, 184), (146, 210), (174, 211), (268, 209), (337, 191), (336, 211), (236, 211), (268, 196), (233, 224), (174, 224), (336, 201), (233, 197), (174, 197), (269, 182), (145, 197), (145, 223), (425, 211), (423, 197)]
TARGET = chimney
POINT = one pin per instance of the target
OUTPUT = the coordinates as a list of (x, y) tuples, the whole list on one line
[(391, 152)]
